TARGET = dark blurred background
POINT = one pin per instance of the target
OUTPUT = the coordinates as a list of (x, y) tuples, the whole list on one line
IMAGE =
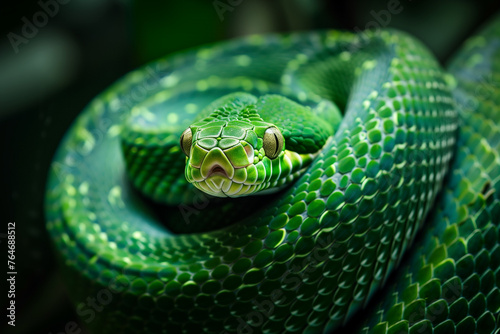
[(56, 55)]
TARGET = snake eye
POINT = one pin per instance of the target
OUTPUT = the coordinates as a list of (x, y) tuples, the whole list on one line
[(273, 142), (186, 141)]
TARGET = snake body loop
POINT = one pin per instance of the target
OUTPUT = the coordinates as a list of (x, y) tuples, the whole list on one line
[(305, 258)]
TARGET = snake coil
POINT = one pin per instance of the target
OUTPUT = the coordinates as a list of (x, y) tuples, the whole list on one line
[(307, 258)]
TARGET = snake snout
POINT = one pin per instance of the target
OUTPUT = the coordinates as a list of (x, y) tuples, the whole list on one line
[(216, 163)]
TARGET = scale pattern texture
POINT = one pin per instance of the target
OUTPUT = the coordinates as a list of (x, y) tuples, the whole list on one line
[(305, 260)]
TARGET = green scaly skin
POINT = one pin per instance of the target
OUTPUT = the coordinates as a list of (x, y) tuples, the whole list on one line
[(451, 283), (304, 259)]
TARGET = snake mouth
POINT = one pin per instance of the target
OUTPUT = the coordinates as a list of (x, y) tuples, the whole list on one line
[(217, 170)]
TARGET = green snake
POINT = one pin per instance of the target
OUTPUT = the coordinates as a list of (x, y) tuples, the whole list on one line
[(354, 148)]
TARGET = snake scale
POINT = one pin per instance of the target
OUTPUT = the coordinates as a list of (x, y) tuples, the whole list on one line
[(367, 152)]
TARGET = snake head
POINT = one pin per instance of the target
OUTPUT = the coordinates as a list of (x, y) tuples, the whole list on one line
[(246, 145), (233, 152)]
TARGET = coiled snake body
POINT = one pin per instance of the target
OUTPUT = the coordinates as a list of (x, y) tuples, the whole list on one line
[(159, 256)]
